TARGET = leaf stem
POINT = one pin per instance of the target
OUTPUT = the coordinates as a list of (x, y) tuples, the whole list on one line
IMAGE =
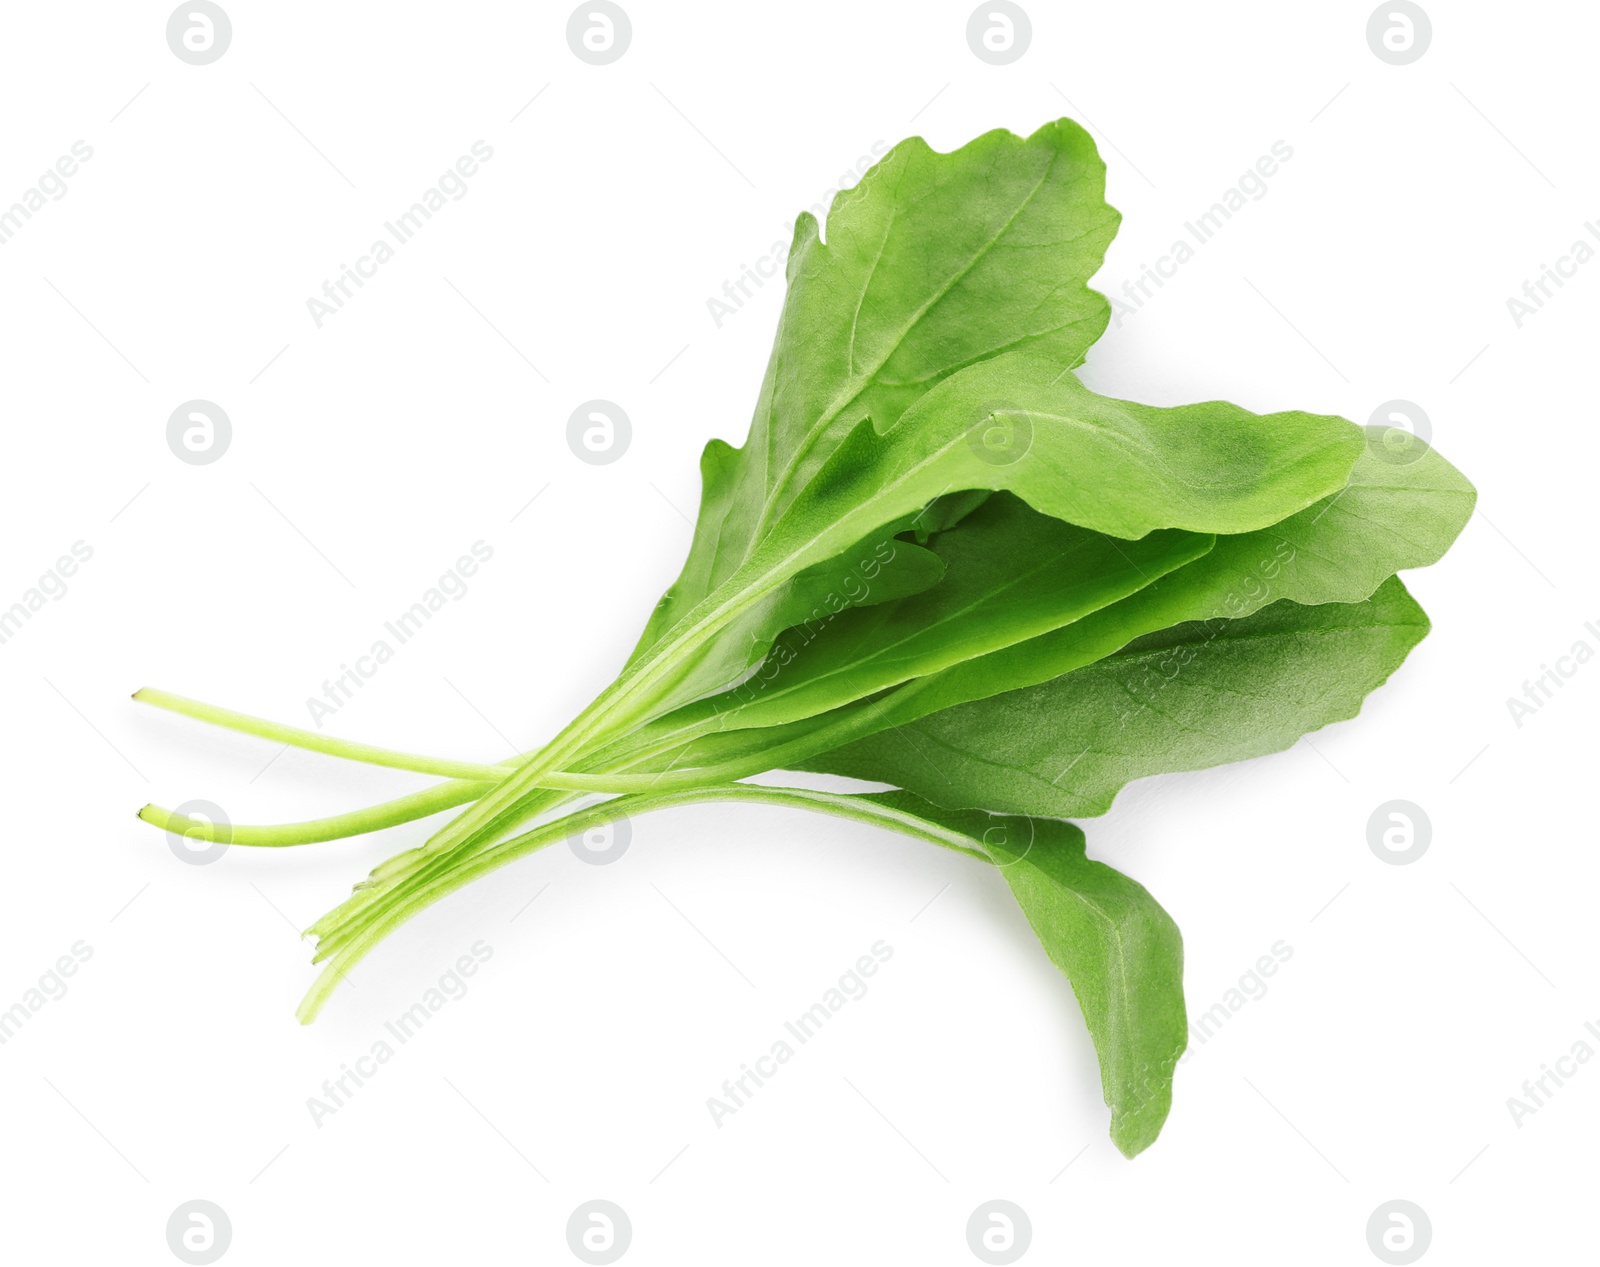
[(405, 809), (805, 738), (391, 880), (310, 739), (480, 863)]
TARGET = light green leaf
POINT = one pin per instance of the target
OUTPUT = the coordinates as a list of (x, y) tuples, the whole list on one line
[(902, 294), (1119, 949)]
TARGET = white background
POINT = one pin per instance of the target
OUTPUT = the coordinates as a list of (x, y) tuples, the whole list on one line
[(368, 454)]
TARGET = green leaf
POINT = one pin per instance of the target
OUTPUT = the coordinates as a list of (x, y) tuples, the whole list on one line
[(1111, 466), (947, 512), (902, 294), (880, 568), (1186, 698), (1010, 574), (1388, 518), (1023, 423), (1119, 949)]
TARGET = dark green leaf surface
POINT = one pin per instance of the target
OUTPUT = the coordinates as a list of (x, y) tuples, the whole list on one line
[(880, 568), (1114, 467), (1388, 518), (1010, 574), (1189, 697)]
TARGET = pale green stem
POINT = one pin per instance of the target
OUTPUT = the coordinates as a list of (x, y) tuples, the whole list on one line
[(391, 883), (391, 880), (855, 722), (298, 738), (514, 801), (484, 861), (650, 673), (499, 809), (431, 800)]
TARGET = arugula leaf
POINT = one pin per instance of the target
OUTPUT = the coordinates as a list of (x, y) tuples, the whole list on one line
[(1010, 573), (1111, 466), (1339, 550), (878, 569), (1124, 957), (1388, 517), (1119, 949), (900, 296), (1196, 695)]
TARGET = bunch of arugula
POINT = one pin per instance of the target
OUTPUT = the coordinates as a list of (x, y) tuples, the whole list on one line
[(942, 563)]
